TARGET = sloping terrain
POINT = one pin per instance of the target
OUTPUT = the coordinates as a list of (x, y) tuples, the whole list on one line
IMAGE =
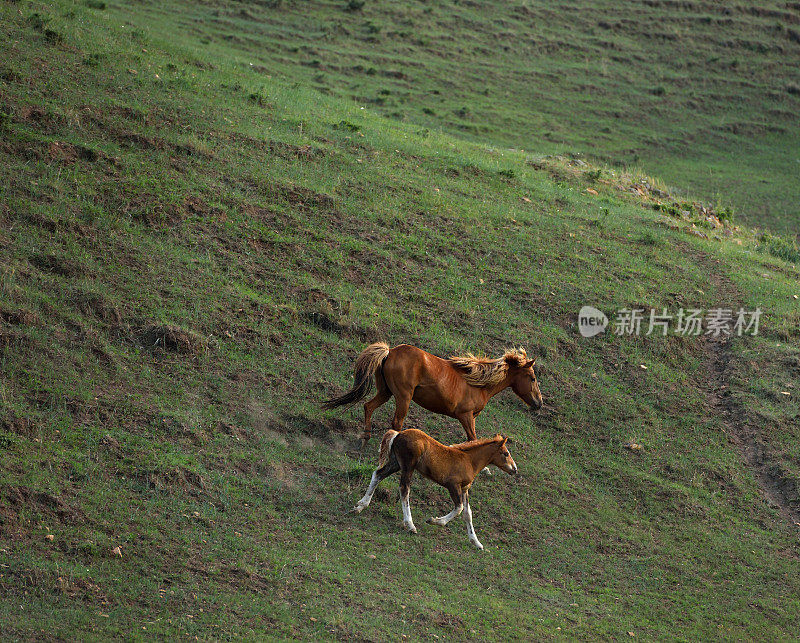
[(191, 256), (703, 94)]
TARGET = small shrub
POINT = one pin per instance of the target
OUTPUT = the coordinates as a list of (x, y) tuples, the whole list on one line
[(355, 5), (428, 111), (92, 60), (658, 91), (53, 36), (507, 174), (96, 4), (725, 214), (780, 247), (259, 99), (347, 126), (593, 175), (37, 21), (648, 239)]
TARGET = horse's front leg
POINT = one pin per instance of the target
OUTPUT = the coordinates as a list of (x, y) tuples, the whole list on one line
[(468, 518), (468, 422), (405, 490), (458, 501)]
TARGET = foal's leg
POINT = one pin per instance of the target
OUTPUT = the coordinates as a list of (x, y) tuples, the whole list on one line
[(458, 501), (377, 476), (468, 518), (381, 397), (405, 490)]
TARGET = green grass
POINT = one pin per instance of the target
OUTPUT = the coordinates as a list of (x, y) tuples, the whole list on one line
[(192, 253), (703, 95)]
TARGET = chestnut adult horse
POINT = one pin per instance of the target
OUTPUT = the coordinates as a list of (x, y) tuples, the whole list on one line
[(454, 467), (458, 387)]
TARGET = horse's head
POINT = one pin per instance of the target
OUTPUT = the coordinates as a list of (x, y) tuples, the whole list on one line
[(502, 458), (523, 382)]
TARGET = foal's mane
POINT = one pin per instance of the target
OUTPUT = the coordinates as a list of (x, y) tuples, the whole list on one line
[(474, 444), (485, 371)]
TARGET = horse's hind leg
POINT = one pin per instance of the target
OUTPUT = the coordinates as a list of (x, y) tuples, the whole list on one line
[(468, 518), (377, 477), (402, 402), (381, 397), (458, 501), (405, 490)]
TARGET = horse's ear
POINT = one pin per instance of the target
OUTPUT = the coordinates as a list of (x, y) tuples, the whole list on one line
[(509, 441), (530, 363)]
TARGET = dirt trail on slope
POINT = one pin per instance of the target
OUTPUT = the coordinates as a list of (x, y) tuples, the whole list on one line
[(779, 488)]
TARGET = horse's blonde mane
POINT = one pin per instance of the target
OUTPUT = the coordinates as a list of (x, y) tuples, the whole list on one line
[(485, 371), (474, 444)]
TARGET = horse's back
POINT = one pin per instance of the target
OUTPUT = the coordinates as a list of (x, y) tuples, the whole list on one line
[(413, 361), (409, 365), (408, 352)]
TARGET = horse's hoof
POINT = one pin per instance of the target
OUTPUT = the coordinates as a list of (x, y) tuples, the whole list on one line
[(477, 544), (358, 508), (434, 521), (363, 443), (411, 529), (486, 471)]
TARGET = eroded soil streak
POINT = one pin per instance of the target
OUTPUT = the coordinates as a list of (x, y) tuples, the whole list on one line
[(779, 487)]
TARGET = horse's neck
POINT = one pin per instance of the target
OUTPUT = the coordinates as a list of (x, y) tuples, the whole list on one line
[(497, 388), (481, 455)]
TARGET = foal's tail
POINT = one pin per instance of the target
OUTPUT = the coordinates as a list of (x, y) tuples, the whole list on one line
[(367, 364), (386, 447)]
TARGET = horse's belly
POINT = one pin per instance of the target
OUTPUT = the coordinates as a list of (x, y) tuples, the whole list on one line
[(432, 399)]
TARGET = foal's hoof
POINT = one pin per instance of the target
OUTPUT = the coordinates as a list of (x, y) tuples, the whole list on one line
[(486, 471), (477, 544), (363, 443), (411, 529), (358, 508), (434, 521)]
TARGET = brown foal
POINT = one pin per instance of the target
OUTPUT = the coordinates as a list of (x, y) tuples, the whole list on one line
[(453, 467), (459, 387)]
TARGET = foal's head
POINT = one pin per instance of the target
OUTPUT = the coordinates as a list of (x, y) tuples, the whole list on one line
[(523, 381), (502, 458)]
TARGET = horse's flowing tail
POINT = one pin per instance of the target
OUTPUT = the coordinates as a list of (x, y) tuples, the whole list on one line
[(386, 447), (367, 364)]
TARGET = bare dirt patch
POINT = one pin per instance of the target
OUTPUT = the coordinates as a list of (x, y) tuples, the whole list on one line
[(16, 502), (97, 306), (19, 317), (173, 339)]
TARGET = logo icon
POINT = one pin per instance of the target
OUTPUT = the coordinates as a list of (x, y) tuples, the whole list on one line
[(591, 321)]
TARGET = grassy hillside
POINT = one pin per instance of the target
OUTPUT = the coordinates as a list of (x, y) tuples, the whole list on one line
[(703, 94), (191, 255)]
